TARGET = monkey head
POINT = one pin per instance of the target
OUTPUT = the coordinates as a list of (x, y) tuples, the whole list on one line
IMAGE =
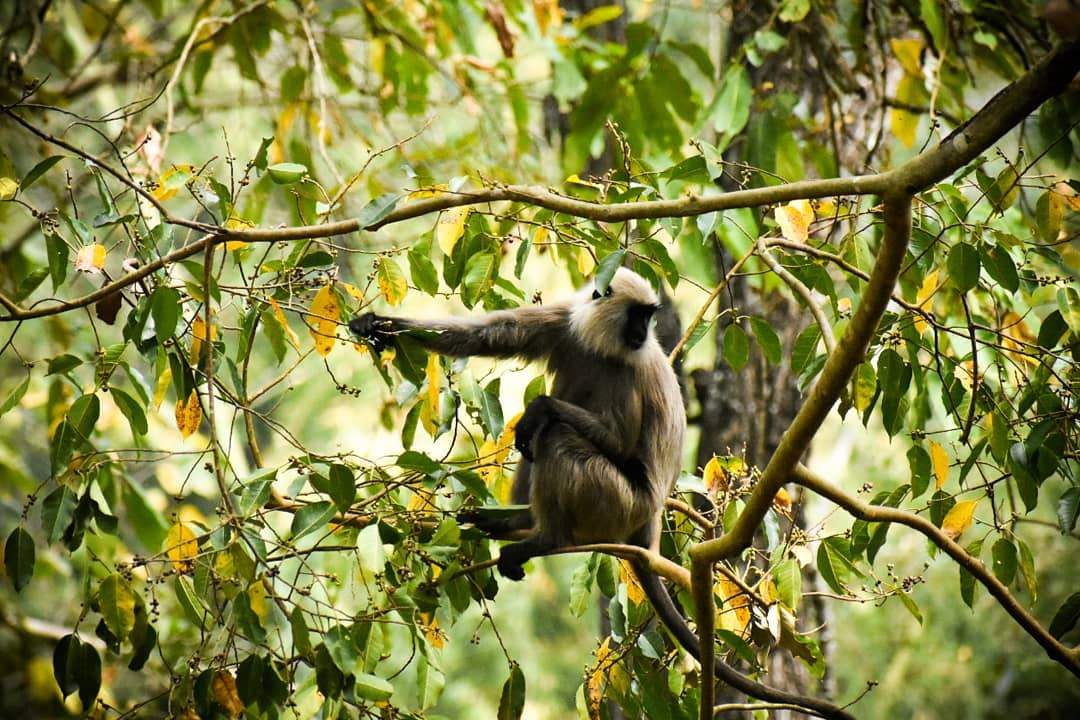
[(618, 322)]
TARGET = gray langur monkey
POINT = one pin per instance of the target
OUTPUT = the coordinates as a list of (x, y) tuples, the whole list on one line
[(602, 452)]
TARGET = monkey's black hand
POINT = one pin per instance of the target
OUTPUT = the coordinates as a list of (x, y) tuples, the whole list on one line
[(377, 330), (532, 421)]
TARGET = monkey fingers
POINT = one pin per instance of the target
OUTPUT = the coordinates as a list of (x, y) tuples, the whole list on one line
[(377, 330)]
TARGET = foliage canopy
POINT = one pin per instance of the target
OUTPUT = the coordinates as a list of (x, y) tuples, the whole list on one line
[(248, 513)]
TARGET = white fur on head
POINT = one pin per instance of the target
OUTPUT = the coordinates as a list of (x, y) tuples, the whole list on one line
[(599, 323)]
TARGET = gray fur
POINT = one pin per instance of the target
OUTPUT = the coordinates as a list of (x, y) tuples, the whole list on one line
[(612, 407)]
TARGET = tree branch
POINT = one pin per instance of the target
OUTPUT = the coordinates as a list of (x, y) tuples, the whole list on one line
[(879, 513)]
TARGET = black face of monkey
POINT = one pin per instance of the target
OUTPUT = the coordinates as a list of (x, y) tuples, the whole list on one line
[(636, 330)]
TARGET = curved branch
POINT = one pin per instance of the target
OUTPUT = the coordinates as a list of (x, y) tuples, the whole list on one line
[(879, 513)]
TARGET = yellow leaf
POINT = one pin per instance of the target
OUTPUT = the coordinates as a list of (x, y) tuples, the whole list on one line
[(925, 299), (325, 314), (908, 52), (376, 56), (430, 624), (257, 600), (734, 616), (354, 292), (634, 592), (493, 455), (585, 263), (423, 500), (958, 519), (576, 179), (223, 688), (794, 220), (782, 501), (540, 236), (450, 228), (429, 191), (548, 14), (198, 337), (429, 412), (91, 259), (595, 682), (290, 334), (392, 283), (171, 181), (188, 414), (715, 476), (163, 382), (181, 547), (8, 188), (940, 460), (720, 471)]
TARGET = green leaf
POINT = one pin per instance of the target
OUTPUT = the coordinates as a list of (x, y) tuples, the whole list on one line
[(117, 603), (373, 687), (56, 250), (131, 409), (912, 607), (1068, 299), (57, 511), (478, 278), (1068, 509), (788, 578), (301, 637), (1026, 485), (804, 350), (1027, 570), (19, 558), (767, 340), (512, 699), (736, 347), (339, 485), (605, 270), (74, 429), (1000, 266), (1066, 617), (311, 518), (287, 173), (424, 275), (968, 586), (581, 584), (66, 659), (834, 564), (1004, 560), (731, 109), (88, 675), (38, 170), (328, 677), (14, 396), (378, 209), (165, 310), (963, 265)]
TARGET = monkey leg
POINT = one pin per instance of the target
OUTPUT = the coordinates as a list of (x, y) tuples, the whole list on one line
[(513, 557)]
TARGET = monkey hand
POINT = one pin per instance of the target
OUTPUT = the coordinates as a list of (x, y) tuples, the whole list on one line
[(377, 330), (532, 421)]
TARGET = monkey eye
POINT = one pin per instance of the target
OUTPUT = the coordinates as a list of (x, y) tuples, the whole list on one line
[(607, 293)]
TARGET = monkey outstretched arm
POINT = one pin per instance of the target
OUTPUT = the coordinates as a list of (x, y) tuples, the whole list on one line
[(528, 332)]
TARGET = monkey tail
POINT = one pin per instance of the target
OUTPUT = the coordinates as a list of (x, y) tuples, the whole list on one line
[(673, 619)]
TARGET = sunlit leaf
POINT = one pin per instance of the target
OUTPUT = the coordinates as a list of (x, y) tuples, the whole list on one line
[(734, 615), (940, 460), (181, 547), (188, 413), (392, 283), (450, 228), (90, 259), (959, 518), (325, 317), (794, 220), (117, 602)]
